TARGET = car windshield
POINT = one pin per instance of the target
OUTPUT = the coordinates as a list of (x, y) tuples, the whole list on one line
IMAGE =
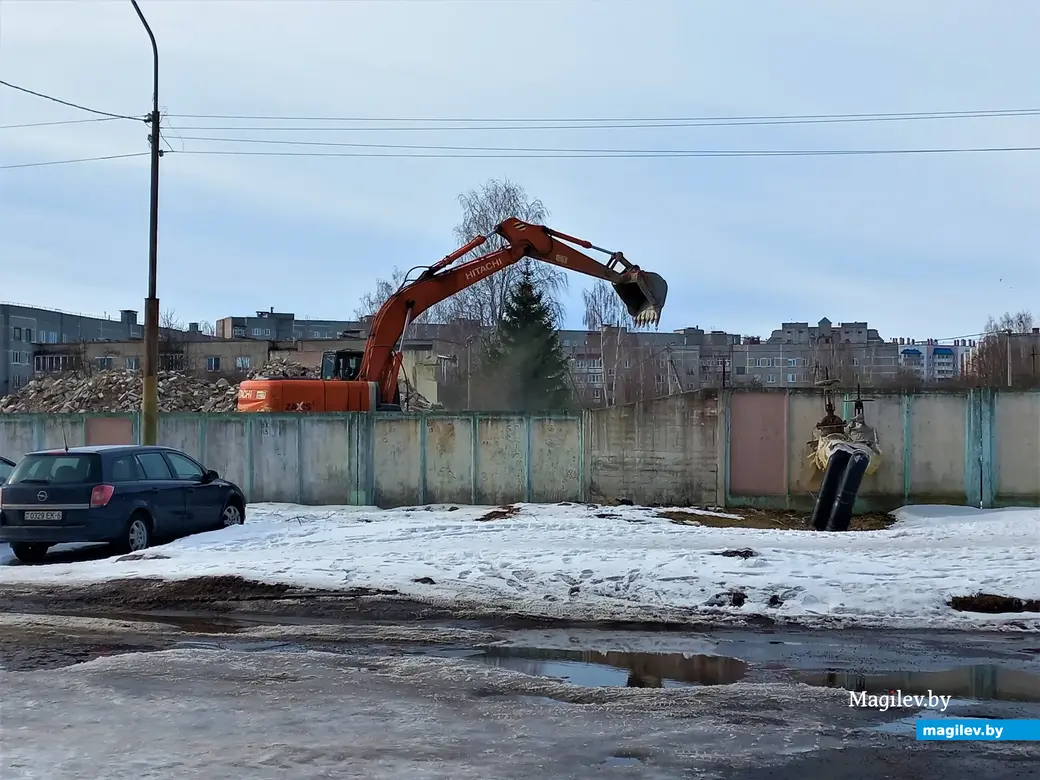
[(5, 470), (56, 469)]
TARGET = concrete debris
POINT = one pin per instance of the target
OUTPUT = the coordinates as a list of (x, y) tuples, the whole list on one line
[(281, 368), (119, 391)]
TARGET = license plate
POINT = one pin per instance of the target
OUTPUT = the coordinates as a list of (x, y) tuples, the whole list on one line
[(43, 515)]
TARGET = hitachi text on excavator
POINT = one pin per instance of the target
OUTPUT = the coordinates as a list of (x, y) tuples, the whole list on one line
[(353, 381)]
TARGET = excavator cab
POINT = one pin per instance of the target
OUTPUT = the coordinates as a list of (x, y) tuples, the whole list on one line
[(643, 294), (344, 364)]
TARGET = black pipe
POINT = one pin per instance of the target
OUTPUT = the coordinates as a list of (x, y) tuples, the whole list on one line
[(841, 512), (836, 464)]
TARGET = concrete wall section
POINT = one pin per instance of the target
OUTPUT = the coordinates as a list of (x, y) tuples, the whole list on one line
[(397, 473), (502, 460), (1015, 448), (18, 435), (221, 449), (556, 459), (937, 447), (663, 451), (448, 468)]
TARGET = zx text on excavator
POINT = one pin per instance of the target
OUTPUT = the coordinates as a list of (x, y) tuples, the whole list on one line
[(355, 381)]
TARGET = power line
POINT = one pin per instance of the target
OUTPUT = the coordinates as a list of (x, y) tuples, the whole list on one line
[(619, 125), (632, 155), (59, 122), (67, 103), (69, 162), (548, 153), (721, 121)]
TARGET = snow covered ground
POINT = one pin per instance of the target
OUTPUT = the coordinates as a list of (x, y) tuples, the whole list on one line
[(586, 562)]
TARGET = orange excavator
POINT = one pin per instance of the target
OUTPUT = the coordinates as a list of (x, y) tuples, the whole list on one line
[(353, 381)]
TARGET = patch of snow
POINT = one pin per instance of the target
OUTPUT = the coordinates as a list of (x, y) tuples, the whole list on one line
[(579, 561)]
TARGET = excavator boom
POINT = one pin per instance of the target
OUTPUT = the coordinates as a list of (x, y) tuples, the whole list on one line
[(642, 292)]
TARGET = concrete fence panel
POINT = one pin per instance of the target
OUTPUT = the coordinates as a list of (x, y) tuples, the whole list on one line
[(18, 435), (223, 447), (664, 451), (936, 448), (1015, 448), (448, 465), (397, 472), (331, 469), (503, 457), (555, 459)]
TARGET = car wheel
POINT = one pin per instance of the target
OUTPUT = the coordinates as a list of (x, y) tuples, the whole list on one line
[(29, 552), (231, 515), (138, 534)]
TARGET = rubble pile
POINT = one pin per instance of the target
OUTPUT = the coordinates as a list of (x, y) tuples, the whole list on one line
[(281, 368), (119, 391)]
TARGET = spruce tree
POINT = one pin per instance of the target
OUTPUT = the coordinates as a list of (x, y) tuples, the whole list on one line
[(525, 363)]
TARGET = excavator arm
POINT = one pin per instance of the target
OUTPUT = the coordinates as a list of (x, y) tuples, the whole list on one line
[(642, 293)]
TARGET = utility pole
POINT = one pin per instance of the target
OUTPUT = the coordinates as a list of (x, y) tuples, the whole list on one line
[(150, 393)]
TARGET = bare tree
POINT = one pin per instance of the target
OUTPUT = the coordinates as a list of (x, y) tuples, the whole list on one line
[(482, 210), (206, 328), (603, 308), (169, 326), (990, 364)]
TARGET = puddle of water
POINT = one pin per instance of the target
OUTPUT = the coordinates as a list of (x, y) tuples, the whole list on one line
[(983, 681), (593, 669), (621, 761)]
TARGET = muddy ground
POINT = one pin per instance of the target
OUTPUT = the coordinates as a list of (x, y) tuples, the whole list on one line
[(227, 694)]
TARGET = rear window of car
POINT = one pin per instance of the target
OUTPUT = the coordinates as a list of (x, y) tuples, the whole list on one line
[(56, 469), (5, 470)]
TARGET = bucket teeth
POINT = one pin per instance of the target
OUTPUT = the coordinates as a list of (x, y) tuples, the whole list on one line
[(647, 317)]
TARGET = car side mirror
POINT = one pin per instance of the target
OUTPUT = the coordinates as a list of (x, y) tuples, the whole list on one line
[(210, 475)]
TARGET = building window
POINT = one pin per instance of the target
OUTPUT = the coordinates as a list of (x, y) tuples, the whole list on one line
[(595, 395), (256, 331), (792, 378), (239, 332), (771, 379), (29, 335), (595, 378), (765, 362), (855, 361), (792, 362), (213, 363), (243, 362), (610, 372), (580, 363), (267, 331), (16, 334), (741, 370), (133, 363)]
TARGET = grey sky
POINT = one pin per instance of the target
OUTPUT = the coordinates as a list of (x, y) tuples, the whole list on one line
[(923, 246)]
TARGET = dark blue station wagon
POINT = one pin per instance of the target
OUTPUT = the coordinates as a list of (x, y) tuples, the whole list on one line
[(125, 495)]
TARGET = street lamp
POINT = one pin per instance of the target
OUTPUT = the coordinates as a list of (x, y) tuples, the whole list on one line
[(150, 392)]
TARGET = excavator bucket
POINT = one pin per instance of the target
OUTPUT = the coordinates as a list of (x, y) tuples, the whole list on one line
[(643, 294)]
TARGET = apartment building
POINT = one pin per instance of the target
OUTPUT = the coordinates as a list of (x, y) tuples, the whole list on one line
[(283, 326), (23, 328), (930, 361)]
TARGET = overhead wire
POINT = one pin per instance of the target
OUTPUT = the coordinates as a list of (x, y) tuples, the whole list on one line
[(70, 104), (556, 154), (721, 121), (77, 160), (58, 122)]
